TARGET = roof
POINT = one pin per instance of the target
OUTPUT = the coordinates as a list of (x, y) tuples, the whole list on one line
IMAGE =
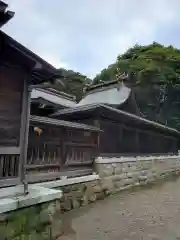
[(51, 96), (116, 94), (5, 15), (62, 123), (102, 84), (40, 70), (77, 108), (129, 116)]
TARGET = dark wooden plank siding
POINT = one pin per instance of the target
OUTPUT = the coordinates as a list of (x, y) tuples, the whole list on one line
[(11, 89), (59, 150), (118, 138), (121, 138)]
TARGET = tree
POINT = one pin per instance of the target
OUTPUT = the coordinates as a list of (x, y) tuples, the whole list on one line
[(71, 83), (154, 74), (154, 63)]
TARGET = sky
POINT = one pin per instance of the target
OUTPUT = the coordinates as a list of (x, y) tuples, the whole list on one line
[(87, 35)]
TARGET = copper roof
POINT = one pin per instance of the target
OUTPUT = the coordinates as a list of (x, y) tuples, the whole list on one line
[(51, 121), (115, 94), (129, 116), (54, 97)]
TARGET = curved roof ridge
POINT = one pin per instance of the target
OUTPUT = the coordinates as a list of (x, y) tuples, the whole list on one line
[(116, 95)]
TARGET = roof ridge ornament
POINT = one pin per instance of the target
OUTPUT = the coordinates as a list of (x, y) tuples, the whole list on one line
[(120, 77)]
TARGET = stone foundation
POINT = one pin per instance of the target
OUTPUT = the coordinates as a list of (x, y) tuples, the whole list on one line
[(41, 221), (117, 174), (81, 194), (40, 214), (77, 192), (30, 217)]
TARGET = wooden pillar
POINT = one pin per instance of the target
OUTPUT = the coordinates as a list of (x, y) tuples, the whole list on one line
[(97, 124), (24, 132), (63, 145), (120, 140), (137, 141)]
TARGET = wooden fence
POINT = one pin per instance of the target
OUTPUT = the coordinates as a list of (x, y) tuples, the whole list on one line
[(9, 165), (53, 151)]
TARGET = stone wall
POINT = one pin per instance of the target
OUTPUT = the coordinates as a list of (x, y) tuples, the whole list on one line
[(38, 222), (77, 192), (126, 172), (40, 214), (81, 194)]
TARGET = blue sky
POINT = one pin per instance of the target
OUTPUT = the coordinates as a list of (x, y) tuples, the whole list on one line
[(87, 35)]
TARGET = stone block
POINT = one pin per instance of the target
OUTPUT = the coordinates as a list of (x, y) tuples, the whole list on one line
[(108, 184), (84, 200), (75, 187), (125, 170), (144, 172), (66, 189), (100, 195), (56, 228), (92, 198), (118, 169), (106, 170), (135, 175), (96, 189), (116, 178), (66, 205), (136, 184), (75, 203), (142, 178), (94, 183), (128, 182), (130, 175), (118, 184)]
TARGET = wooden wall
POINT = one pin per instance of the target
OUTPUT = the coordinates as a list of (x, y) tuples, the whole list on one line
[(59, 150), (125, 139), (11, 90)]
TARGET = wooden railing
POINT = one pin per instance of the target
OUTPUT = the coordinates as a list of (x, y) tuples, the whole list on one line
[(57, 151), (9, 165), (60, 151), (79, 154)]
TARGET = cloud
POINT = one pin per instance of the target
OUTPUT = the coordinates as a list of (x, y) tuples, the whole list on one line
[(87, 35), (55, 61)]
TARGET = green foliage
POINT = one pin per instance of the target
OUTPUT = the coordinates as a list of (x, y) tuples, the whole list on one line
[(72, 83), (150, 64), (154, 74)]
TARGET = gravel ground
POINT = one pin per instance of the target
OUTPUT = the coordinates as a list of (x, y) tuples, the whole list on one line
[(152, 213)]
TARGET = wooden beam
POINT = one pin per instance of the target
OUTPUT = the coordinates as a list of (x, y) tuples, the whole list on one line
[(43, 166), (9, 150), (7, 182), (80, 144), (40, 177)]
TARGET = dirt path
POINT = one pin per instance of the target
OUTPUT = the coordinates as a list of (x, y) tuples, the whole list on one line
[(152, 213)]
